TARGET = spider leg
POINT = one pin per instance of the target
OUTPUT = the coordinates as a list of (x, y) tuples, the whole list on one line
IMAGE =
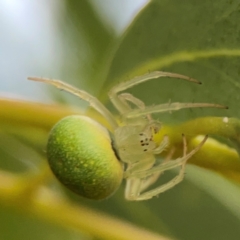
[(168, 107), (166, 186), (127, 97), (113, 93), (143, 78), (160, 169), (152, 179), (132, 188), (93, 102), (142, 165), (133, 184), (136, 185), (164, 143)]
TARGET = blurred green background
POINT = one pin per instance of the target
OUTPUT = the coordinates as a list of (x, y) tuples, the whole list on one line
[(95, 44)]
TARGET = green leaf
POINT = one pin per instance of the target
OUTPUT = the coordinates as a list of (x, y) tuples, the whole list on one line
[(197, 39)]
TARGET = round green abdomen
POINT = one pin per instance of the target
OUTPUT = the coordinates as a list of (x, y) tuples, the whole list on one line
[(80, 154)]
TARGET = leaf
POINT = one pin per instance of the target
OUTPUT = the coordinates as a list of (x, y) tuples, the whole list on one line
[(176, 36)]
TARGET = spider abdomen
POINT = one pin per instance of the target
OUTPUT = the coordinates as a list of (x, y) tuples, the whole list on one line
[(81, 156)]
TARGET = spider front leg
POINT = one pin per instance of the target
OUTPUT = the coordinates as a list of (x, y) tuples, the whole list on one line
[(127, 98), (93, 102), (118, 102), (169, 107), (136, 179), (124, 97)]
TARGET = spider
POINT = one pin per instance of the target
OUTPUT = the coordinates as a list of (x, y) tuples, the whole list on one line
[(92, 161)]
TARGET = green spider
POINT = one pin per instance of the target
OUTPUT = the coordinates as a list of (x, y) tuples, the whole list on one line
[(92, 162)]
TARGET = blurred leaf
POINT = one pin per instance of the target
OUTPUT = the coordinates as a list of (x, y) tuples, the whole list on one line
[(90, 43), (27, 227)]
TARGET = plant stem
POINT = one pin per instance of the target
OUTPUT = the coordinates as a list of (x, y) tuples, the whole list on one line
[(47, 205)]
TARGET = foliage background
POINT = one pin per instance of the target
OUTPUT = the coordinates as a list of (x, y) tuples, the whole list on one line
[(81, 44)]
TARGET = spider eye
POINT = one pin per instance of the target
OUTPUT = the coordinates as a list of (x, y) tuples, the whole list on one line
[(81, 156)]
